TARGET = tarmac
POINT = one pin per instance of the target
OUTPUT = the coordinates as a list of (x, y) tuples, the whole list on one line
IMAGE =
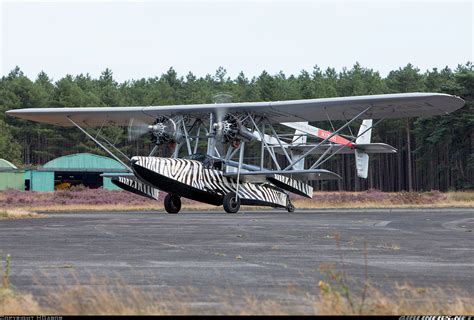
[(270, 254)]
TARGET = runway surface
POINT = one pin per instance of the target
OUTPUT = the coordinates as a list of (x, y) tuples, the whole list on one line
[(260, 252)]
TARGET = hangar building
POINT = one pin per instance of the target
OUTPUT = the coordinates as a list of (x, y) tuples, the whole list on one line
[(74, 169), (10, 176)]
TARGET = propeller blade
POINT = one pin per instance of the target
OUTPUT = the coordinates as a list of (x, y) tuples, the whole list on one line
[(220, 114), (136, 129)]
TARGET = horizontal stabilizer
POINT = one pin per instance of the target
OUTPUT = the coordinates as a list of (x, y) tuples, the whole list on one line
[(376, 148), (305, 175), (367, 148)]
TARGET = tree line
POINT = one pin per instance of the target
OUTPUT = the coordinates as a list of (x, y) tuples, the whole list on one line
[(433, 153)]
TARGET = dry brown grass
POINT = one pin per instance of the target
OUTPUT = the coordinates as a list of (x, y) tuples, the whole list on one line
[(126, 300), (451, 200), (404, 300), (460, 197), (12, 303), (380, 205), (19, 213), (329, 200), (455, 199), (335, 296)]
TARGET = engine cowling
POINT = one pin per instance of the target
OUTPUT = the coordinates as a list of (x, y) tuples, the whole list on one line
[(164, 131), (231, 130)]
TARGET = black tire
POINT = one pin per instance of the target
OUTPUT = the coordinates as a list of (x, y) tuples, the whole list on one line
[(231, 203), (172, 203), (289, 206)]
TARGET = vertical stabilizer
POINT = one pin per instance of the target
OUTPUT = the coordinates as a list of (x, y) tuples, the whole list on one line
[(300, 137), (362, 159)]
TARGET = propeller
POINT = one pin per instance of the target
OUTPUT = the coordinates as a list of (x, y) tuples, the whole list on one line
[(162, 131), (221, 97), (220, 115), (136, 129)]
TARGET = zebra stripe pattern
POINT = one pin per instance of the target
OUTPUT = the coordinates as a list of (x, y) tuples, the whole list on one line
[(302, 187), (139, 186), (193, 173)]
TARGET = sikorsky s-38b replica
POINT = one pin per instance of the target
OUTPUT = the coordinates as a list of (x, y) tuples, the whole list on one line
[(219, 175)]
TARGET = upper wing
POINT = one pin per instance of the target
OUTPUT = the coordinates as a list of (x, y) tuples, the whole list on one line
[(382, 106)]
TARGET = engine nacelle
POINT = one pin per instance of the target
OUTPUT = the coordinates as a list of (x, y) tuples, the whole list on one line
[(230, 129), (164, 131)]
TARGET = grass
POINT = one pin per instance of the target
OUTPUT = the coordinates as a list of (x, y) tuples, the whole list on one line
[(332, 296), (92, 200), (404, 300), (102, 298), (18, 213), (377, 199)]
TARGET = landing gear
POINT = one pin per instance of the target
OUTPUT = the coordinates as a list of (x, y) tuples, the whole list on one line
[(172, 203), (231, 203), (289, 206)]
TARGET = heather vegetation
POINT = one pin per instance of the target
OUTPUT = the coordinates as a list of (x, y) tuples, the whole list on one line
[(72, 196), (81, 198), (433, 153)]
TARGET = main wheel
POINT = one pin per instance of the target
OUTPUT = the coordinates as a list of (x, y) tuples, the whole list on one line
[(231, 203), (289, 206), (172, 203)]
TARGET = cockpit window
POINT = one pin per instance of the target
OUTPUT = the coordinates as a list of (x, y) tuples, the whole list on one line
[(201, 157), (206, 161)]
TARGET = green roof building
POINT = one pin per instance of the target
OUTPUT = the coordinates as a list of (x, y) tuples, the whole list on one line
[(10, 176), (74, 169)]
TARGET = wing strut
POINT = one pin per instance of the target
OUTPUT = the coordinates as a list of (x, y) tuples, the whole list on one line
[(241, 159), (326, 139), (100, 145), (319, 162)]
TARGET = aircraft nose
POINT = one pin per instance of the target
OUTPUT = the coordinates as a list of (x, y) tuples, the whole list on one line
[(134, 160)]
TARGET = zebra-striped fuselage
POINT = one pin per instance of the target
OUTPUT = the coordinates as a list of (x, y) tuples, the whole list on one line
[(191, 179), (136, 186)]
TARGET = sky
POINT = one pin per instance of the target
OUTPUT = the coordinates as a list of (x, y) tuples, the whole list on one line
[(137, 39)]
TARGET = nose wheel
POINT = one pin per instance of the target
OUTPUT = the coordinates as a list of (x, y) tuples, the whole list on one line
[(231, 203), (172, 203)]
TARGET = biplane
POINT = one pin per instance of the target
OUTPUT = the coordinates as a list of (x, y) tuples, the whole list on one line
[(218, 174)]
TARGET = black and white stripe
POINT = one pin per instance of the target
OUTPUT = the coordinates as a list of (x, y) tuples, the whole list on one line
[(194, 174), (136, 186), (292, 185)]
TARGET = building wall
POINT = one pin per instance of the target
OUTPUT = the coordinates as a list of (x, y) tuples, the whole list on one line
[(107, 184), (12, 180), (42, 180)]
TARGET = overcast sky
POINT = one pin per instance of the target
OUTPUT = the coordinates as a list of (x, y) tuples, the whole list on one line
[(144, 39)]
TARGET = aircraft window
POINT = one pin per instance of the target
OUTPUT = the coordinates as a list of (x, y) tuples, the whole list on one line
[(197, 156), (218, 165), (206, 161)]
